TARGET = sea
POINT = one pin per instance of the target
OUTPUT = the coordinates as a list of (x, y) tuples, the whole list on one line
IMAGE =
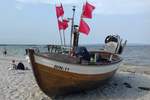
[(138, 55)]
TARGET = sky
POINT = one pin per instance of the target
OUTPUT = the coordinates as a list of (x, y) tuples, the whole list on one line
[(35, 22)]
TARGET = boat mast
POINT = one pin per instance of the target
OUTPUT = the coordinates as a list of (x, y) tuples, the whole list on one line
[(72, 26), (75, 38)]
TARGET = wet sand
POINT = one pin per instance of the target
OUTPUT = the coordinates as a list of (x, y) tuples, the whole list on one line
[(129, 83)]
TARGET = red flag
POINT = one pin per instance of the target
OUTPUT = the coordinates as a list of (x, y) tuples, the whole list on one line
[(59, 11), (65, 24), (62, 24), (84, 28), (87, 10)]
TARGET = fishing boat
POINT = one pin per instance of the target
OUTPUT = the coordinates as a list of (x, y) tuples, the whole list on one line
[(62, 70)]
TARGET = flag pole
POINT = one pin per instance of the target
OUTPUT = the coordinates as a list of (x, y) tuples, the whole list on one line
[(60, 34), (60, 37), (64, 38), (63, 34), (59, 31), (63, 30)]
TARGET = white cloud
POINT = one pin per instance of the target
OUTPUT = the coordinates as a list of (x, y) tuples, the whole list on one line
[(103, 6), (50, 1), (19, 6), (122, 6)]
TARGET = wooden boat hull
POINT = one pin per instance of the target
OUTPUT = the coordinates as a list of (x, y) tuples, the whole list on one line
[(54, 80)]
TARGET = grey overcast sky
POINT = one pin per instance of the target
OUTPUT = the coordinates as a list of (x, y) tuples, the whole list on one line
[(34, 21)]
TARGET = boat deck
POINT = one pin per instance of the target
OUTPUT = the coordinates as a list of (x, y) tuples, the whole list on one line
[(104, 58)]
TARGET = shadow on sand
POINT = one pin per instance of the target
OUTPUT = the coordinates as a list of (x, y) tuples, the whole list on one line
[(123, 85)]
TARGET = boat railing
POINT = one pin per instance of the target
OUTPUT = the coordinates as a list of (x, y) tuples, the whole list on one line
[(58, 49), (61, 53)]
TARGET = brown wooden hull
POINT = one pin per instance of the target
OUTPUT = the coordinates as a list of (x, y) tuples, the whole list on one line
[(57, 82)]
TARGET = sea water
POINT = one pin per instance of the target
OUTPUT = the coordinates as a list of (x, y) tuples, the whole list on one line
[(138, 55), (18, 50)]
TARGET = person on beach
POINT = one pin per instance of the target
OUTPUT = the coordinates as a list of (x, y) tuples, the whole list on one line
[(28, 59), (20, 66), (14, 64), (5, 52)]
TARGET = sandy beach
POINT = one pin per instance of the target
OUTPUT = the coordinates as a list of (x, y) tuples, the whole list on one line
[(129, 83)]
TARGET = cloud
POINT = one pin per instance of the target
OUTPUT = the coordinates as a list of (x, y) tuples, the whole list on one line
[(103, 6), (50, 1), (19, 6), (121, 6)]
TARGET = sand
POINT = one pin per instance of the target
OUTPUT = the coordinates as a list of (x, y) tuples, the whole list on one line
[(129, 83)]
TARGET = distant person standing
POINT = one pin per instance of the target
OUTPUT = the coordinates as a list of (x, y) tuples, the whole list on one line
[(26, 51), (5, 52)]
